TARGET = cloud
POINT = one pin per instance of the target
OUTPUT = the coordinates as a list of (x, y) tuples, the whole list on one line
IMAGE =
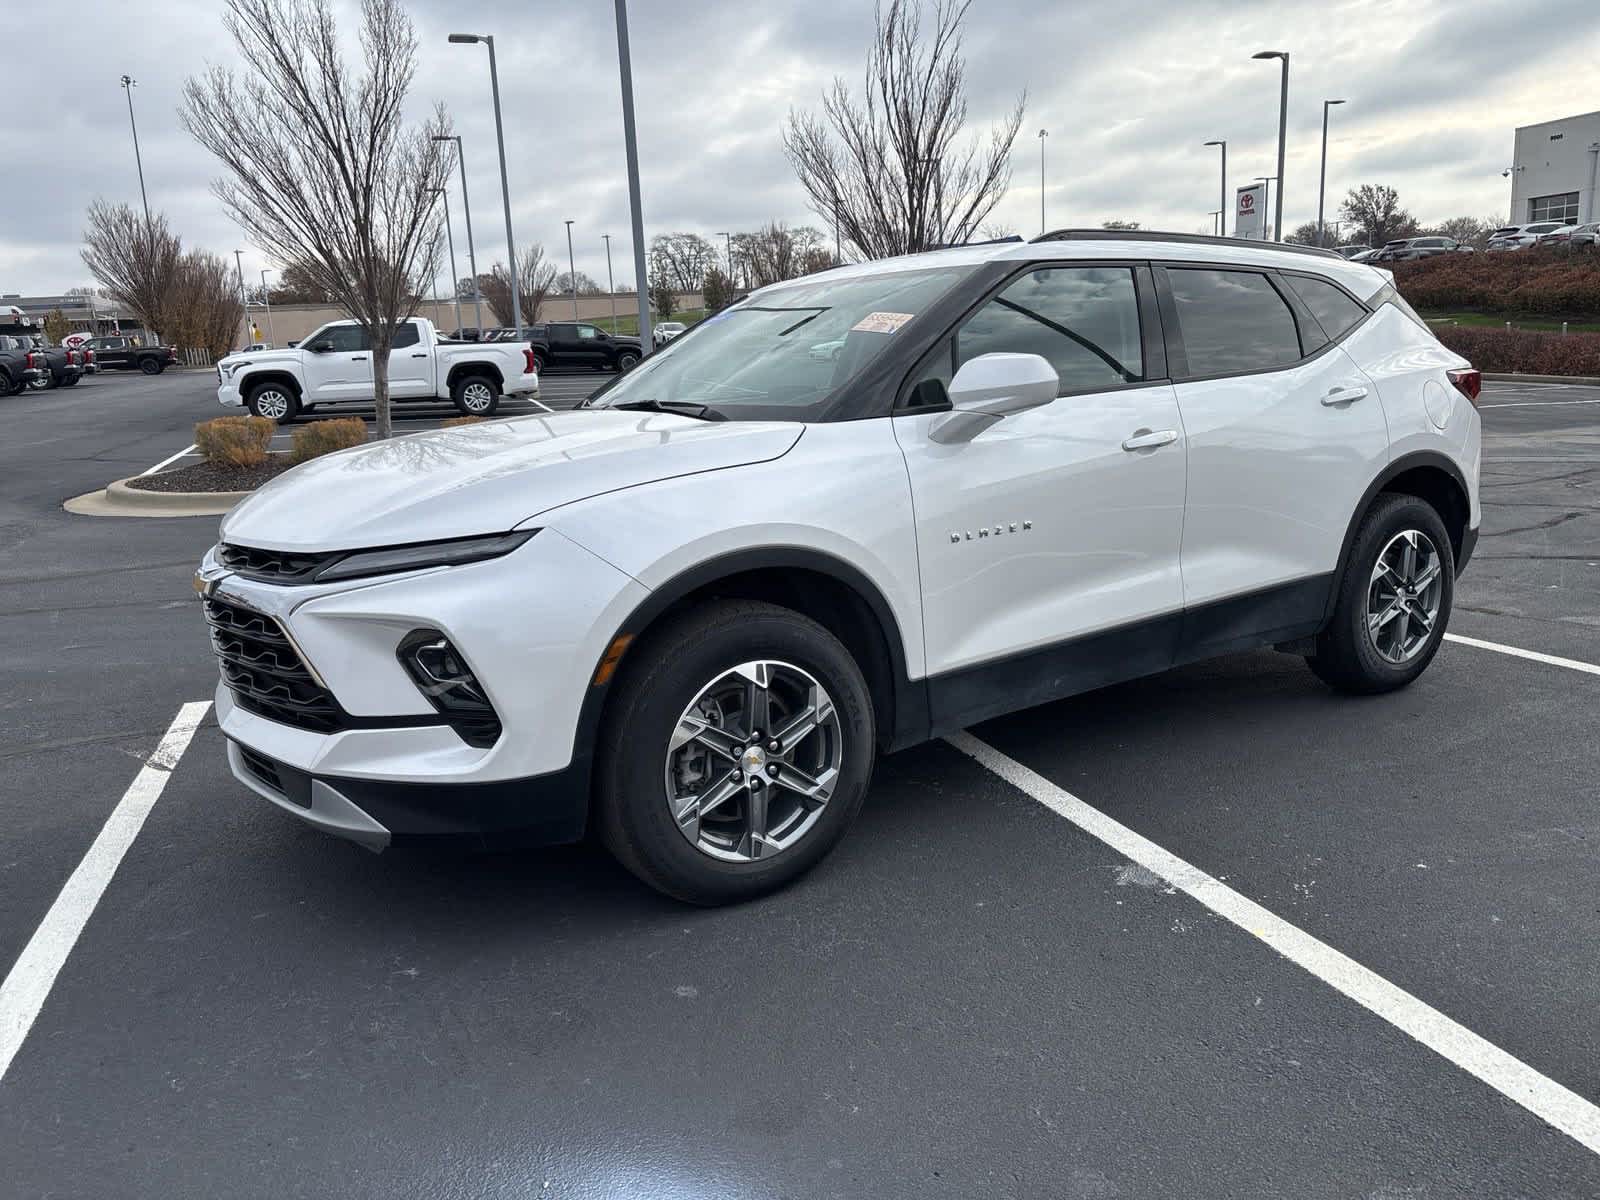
[(1128, 91)]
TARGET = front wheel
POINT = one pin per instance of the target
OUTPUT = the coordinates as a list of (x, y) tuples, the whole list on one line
[(152, 366), (627, 361), (1393, 602), (736, 752), (476, 396), (275, 402)]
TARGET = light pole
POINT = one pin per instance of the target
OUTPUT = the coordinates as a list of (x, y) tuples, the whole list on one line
[(572, 273), (1216, 220), (1222, 193), (128, 84), (467, 39), (450, 240), (267, 300), (1043, 133), (636, 208), (1283, 133), (1322, 177), (244, 329), (611, 282), (727, 240), (472, 258)]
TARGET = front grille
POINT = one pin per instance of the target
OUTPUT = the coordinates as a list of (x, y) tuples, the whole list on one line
[(264, 671), (271, 566)]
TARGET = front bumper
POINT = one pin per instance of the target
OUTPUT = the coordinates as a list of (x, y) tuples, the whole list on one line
[(228, 395)]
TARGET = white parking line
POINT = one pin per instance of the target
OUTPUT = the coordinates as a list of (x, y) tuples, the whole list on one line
[(1571, 664), (28, 985), (1536, 403), (165, 461), (1511, 1077)]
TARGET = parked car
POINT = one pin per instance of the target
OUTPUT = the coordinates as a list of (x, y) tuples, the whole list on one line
[(334, 365), (1408, 249), (1351, 251), (57, 366), (665, 331), (1557, 237), (116, 352), (20, 363), (740, 572), (1520, 237), (578, 344), (1366, 255), (1587, 235)]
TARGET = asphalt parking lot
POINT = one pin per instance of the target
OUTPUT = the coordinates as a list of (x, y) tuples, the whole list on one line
[(974, 996)]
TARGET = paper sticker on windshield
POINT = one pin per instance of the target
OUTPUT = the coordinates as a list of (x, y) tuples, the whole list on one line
[(881, 322)]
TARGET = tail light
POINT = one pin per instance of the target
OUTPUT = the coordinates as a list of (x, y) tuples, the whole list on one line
[(1468, 382), (35, 359), (528, 358), (74, 358), (88, 356)]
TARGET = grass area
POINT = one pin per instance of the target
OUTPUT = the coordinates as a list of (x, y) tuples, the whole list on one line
[(1518, 321), (628, 322)]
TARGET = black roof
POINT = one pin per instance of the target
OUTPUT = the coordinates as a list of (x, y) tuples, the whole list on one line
[(1188, 239)]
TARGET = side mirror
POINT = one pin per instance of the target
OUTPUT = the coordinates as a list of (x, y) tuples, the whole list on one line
[(991, 387), (322, 347), (292, 345)]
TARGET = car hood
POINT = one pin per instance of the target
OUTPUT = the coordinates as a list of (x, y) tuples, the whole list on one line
[(286, 355), (488, 478)]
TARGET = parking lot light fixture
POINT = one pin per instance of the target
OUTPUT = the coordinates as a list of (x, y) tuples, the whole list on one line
[(727, 240), (611, 281), (1043, 133), (128, 84), (1283, 133), (467, 39), (267, 300), (572, 272), (1322, 176), (244, 305), (631, 148), (466, 207), (1222, 194), (450, 240), (1268, 180)]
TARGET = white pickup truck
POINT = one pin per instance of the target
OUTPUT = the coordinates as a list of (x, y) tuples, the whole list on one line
[(334, 365)]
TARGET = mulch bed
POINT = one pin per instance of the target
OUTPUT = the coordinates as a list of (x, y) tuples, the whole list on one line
[(203, 477)]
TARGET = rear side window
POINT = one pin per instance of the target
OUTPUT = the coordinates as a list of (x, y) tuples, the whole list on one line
[(1232, 321), (405, 335), (1332, 308), (1083, 320)]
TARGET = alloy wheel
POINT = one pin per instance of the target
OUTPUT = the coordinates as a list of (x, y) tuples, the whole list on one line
[(753, 761), (1404, 596), (477, 397), (272, 404)]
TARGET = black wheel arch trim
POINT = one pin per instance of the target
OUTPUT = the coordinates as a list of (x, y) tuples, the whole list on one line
[(255, 379), (911, 722), (1406, 462)]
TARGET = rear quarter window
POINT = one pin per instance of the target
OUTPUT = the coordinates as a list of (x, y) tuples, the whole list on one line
[(1334, 310)]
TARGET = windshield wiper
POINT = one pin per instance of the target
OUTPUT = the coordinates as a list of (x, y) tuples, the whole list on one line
[(682, 408)]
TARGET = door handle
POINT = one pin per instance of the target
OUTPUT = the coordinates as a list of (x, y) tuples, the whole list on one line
[(358, 358), (1145, 439), (1344, 395), (419, 356)]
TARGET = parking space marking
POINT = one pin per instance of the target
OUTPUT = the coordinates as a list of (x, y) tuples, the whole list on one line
[(28, 985), (186, 450), (1548, 1100), (1535, 403), (1571, 664)]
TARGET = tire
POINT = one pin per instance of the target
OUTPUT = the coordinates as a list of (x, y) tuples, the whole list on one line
[(43, 383), (70, 381), (152, 366), (626, 361), (1351, 658), (274, 401), (695, 664), (476, 395), (538, 363)]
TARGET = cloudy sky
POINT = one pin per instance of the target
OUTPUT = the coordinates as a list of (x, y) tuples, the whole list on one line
[(1129, 92)]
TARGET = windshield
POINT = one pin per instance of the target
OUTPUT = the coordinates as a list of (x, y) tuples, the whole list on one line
[(779, 355)]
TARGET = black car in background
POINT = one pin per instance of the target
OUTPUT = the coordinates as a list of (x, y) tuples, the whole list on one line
[(20, 363), (1408, 249), (579, 344), (118, 353), (56, 366)]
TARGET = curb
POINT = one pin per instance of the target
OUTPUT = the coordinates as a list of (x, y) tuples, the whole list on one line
[(1514, 377), (117, 499)]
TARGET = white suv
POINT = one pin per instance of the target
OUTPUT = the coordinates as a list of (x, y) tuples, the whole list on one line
[(688, 615)]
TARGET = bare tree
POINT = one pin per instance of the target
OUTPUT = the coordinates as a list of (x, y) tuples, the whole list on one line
[(775, 252), (204, 309), (321, 171), (887, 168), (680, 261), (132, 259), (536, 276)]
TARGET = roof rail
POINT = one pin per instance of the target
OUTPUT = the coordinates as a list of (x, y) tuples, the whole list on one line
[(1192, 239)]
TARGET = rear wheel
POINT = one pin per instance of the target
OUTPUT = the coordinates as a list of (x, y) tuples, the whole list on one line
[(274, 401), (71, 380), (735, 754), (476, 395), (42, 383), (152, 366), (1394, 600), (538, 363)]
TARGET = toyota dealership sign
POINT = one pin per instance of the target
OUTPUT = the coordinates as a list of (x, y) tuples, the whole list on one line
[(1250, 212)]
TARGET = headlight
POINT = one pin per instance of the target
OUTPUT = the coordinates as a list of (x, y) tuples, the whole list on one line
[(394, 559)]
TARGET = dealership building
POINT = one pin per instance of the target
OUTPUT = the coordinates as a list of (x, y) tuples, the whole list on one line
[(1553, 171)]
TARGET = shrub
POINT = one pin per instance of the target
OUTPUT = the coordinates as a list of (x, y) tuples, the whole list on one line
[(234, 441), (1524, 350), (324, 437), (456, 422), (1553, 280)]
